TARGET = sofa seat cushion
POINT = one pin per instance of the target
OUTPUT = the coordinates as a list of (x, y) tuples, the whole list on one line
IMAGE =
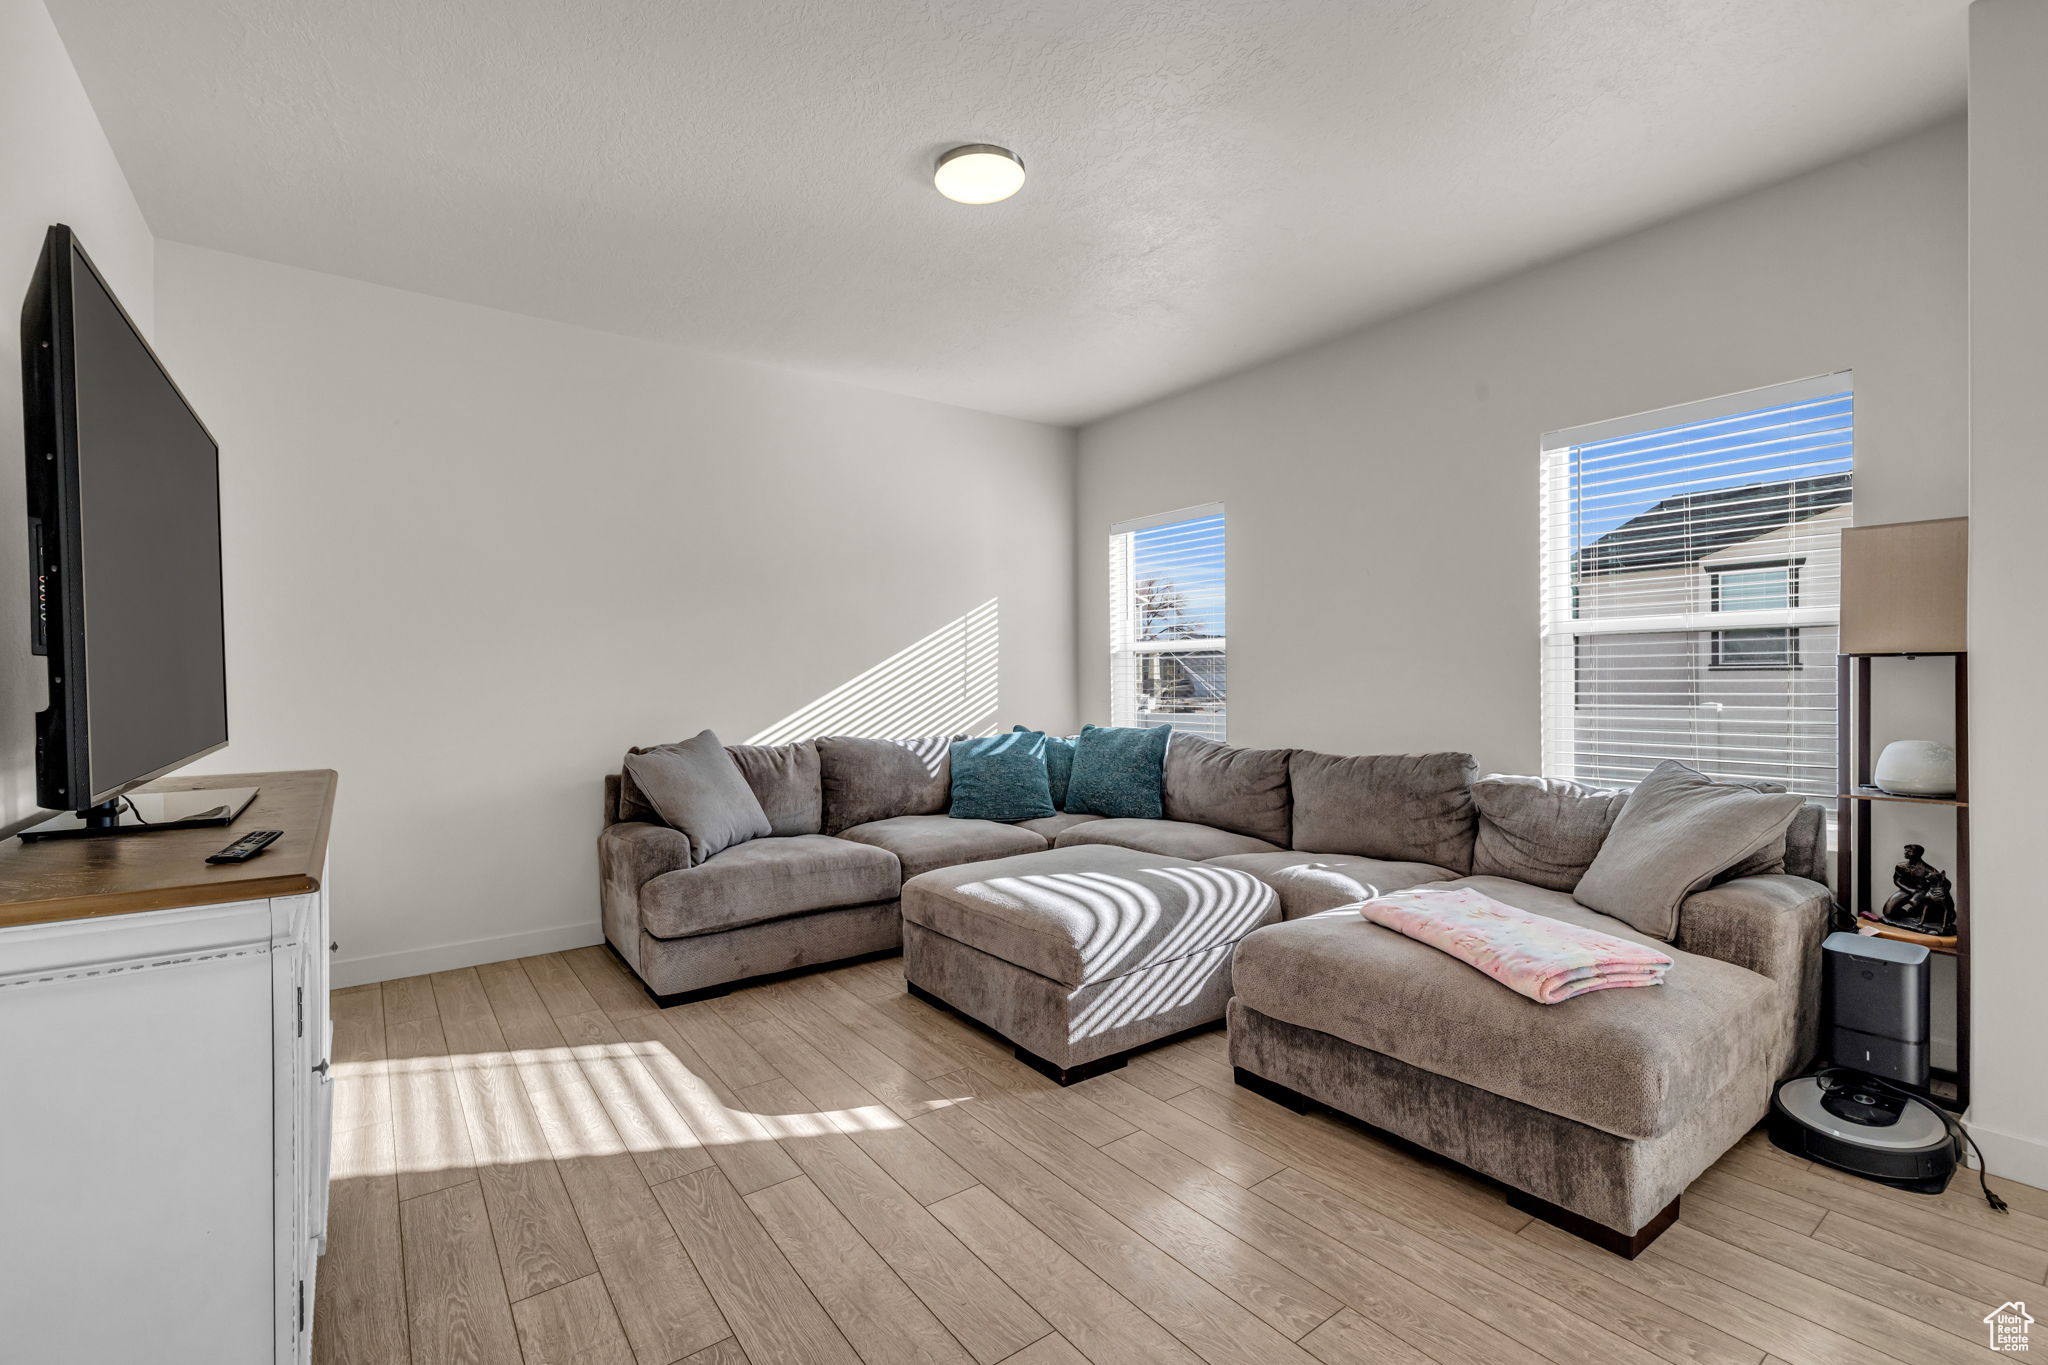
[(766, 879), (1310, 883), (1089, 913), (924, 842), (1051, 827), (1630, 1062), (1169, 838)]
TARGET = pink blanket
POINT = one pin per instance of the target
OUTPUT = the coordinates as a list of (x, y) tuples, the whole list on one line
[(1545, 959)]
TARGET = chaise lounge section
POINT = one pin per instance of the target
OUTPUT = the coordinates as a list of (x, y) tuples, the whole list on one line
[(1595, 1113)]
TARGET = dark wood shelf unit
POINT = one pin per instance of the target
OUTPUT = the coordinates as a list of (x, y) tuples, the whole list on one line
[(1877, 794), (1877, 928), (1854, 817)]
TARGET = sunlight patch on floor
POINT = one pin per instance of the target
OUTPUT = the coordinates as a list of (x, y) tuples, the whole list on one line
[(590, 1100)]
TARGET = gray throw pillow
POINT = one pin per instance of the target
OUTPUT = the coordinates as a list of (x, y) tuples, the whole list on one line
[(696, 788), (1678, 831), (1545, 831), (785, 778), (1207, 782)]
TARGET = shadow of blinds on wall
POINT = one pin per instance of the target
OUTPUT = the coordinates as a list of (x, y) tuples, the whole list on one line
[(1691, 563), (1166, 627)]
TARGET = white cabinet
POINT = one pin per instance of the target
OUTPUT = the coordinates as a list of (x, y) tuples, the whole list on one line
[(164, 1116)]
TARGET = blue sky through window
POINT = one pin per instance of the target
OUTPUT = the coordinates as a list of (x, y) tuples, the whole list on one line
[(1188, 556), (1615, 480)]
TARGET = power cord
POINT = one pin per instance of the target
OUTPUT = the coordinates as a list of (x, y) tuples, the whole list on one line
[(129, 806), (1949, 1121)]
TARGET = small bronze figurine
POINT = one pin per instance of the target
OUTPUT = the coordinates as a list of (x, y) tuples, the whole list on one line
[(1925, 902)]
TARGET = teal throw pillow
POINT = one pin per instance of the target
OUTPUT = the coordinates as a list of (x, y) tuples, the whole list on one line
[(1001, 777), (1118, 772), (1059, 764)]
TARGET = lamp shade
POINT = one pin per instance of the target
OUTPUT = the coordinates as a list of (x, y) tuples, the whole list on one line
[(1905, 587)]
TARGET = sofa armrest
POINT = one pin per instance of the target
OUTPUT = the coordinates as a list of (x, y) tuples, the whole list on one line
[(1773, 925), (629, 855), (641, 852)]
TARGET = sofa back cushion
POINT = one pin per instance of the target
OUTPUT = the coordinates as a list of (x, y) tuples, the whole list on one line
[(1404, 807), (1244, 791), (696, 788), (1545, 831), (880, 779), (785, 778), (633, 803), (1806, 845)]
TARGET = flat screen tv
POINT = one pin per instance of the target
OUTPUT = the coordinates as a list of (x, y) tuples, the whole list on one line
[(124, 542)]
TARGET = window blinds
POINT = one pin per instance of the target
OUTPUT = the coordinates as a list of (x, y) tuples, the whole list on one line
[(1166, 628), (1691, 564)]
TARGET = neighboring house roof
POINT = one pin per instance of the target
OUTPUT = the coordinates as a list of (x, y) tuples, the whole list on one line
[(1687, 528)]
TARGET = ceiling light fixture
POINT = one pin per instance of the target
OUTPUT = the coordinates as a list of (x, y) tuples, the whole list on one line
[(978, 174)]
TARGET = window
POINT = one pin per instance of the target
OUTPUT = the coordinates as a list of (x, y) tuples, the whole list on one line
[(1691, 588), (1772, 647), (1166, 659), (1757, 587)]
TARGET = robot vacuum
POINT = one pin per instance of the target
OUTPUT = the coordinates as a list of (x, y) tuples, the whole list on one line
[(1869, 1113), (1857, 1124)]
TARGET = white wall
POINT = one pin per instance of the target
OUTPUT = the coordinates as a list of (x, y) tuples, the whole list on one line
[(1382, 488), (471, 557), (2008, 566), (55, 167)]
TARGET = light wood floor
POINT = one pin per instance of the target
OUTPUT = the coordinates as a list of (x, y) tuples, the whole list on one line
[(533, 1164)]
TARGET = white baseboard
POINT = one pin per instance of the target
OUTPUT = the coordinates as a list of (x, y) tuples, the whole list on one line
[(2018, 1158), (446, 957)]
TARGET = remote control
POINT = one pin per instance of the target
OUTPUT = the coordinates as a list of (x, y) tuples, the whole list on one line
[(248, 846)]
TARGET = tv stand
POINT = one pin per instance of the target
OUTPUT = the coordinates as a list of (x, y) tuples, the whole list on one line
[(166, 1068), (148, 812)]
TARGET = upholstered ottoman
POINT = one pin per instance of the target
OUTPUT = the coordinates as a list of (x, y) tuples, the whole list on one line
[(1079, 955)]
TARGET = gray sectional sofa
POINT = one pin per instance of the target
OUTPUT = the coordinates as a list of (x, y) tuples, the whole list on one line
[(1594, 1113)]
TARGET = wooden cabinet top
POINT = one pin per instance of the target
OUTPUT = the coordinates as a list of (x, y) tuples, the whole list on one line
[(118, 874)]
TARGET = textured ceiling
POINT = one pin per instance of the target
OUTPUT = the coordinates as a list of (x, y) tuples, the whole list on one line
[(1212, 182)]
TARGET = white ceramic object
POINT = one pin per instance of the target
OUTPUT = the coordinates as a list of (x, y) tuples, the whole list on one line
[(1916, 767)]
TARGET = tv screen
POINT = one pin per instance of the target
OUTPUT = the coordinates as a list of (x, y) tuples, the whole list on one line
[(124, 523)]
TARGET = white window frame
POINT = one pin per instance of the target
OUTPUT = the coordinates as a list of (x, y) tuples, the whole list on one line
[(1560, 630), (1125, 647)]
